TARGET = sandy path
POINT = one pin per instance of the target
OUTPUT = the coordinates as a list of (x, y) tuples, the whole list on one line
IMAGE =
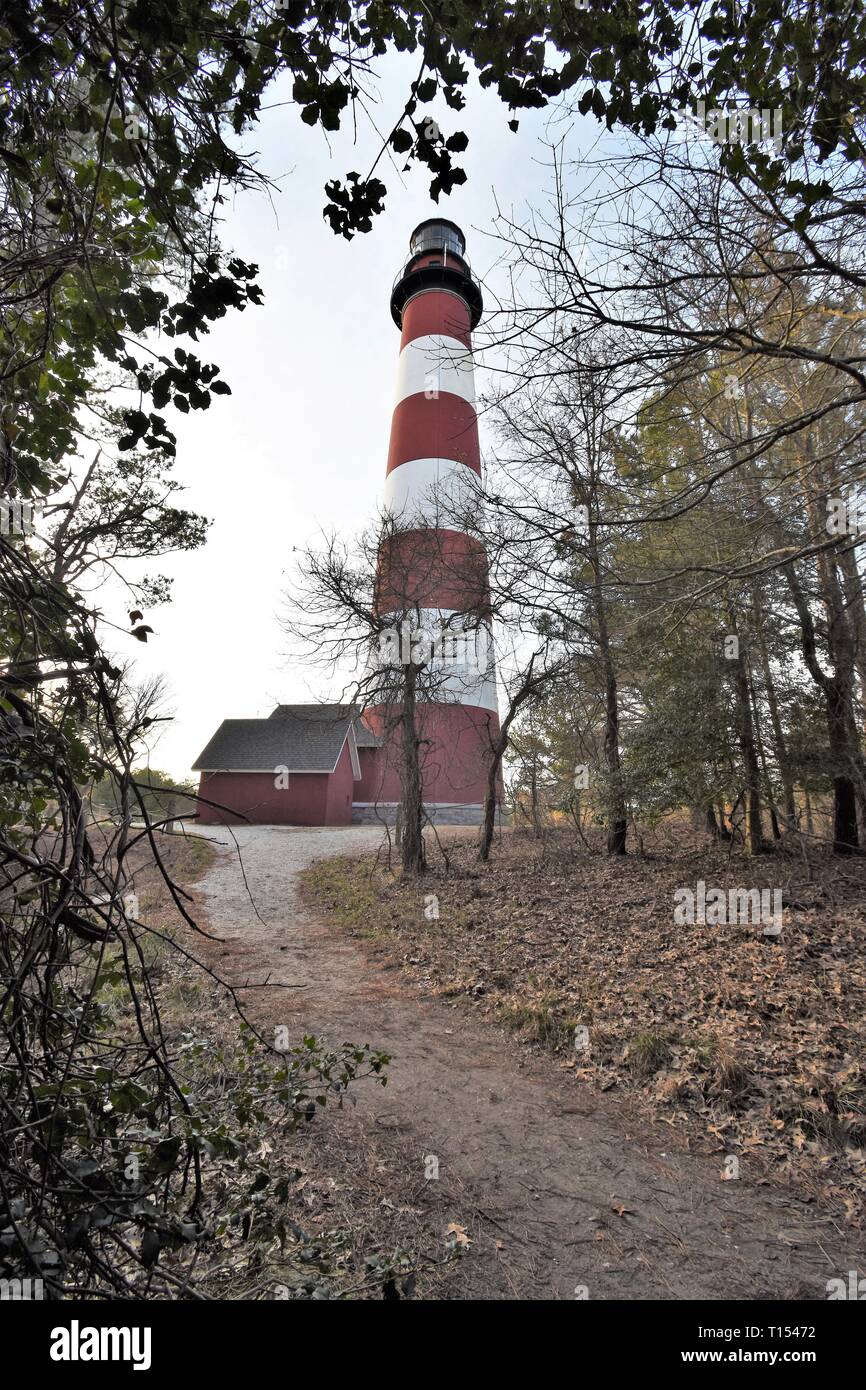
[(559, 1187)]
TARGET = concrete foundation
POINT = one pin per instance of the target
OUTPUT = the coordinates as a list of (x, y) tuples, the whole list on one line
[(451, 813)]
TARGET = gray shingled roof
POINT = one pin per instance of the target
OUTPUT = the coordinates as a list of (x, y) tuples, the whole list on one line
[(363, 737), (260, 745), (302, 738)]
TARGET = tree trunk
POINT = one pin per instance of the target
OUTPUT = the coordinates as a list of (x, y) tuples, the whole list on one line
[(724, 832), (857, 767), (779, 743), (762, 758), (837, 696), (616, 818), (412, 802), (500, 744), (533, 794), (488, 824), (845, 833), (856, 613), (754, 830), (529, 687), (616, 830), (842, 644)]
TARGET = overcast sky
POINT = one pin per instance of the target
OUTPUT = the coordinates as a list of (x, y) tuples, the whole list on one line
[(301, 443)]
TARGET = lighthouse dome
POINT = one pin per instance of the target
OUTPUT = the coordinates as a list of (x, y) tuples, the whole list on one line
[(437, 234)]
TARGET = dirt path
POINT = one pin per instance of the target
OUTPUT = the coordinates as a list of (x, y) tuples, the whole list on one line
[(558, 1187)]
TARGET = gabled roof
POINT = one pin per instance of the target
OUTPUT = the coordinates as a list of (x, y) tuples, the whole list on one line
[(363, 736), (301, 738)]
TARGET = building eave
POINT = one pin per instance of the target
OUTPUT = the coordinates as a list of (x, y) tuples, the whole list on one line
[(271, 771)]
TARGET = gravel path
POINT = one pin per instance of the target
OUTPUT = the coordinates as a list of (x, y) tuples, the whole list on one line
[(562, 1190)]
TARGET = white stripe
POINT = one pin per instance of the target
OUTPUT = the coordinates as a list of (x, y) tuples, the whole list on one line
[(435, 363), (432, 492), (465, 674)]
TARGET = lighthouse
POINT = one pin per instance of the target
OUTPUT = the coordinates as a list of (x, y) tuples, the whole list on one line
[(433, 573), (332, 764)]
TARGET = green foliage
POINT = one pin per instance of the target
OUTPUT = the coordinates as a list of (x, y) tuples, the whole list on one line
[(117, 123), (682, 750), (116, 1148)]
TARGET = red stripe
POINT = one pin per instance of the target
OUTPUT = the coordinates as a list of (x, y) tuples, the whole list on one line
[(433, 569), (436, 312), (444, 428), (454, 752)]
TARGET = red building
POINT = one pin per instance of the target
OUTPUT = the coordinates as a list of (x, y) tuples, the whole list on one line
[(322, 764), (303, 765)]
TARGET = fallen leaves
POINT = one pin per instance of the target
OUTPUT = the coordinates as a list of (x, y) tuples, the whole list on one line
[(621, 1210), (458, 1237), (754, 1044)]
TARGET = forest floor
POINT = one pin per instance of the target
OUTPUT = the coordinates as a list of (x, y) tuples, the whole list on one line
[(554, 1172), (750, 1046)]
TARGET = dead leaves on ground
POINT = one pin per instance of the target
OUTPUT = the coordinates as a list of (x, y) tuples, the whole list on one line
[(755, 1044), (457, 1236)]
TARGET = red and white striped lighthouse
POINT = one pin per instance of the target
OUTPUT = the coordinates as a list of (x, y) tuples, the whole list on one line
[(429, 566)]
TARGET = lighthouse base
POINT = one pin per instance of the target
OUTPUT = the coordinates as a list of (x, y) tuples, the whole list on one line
[(445, 813)]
